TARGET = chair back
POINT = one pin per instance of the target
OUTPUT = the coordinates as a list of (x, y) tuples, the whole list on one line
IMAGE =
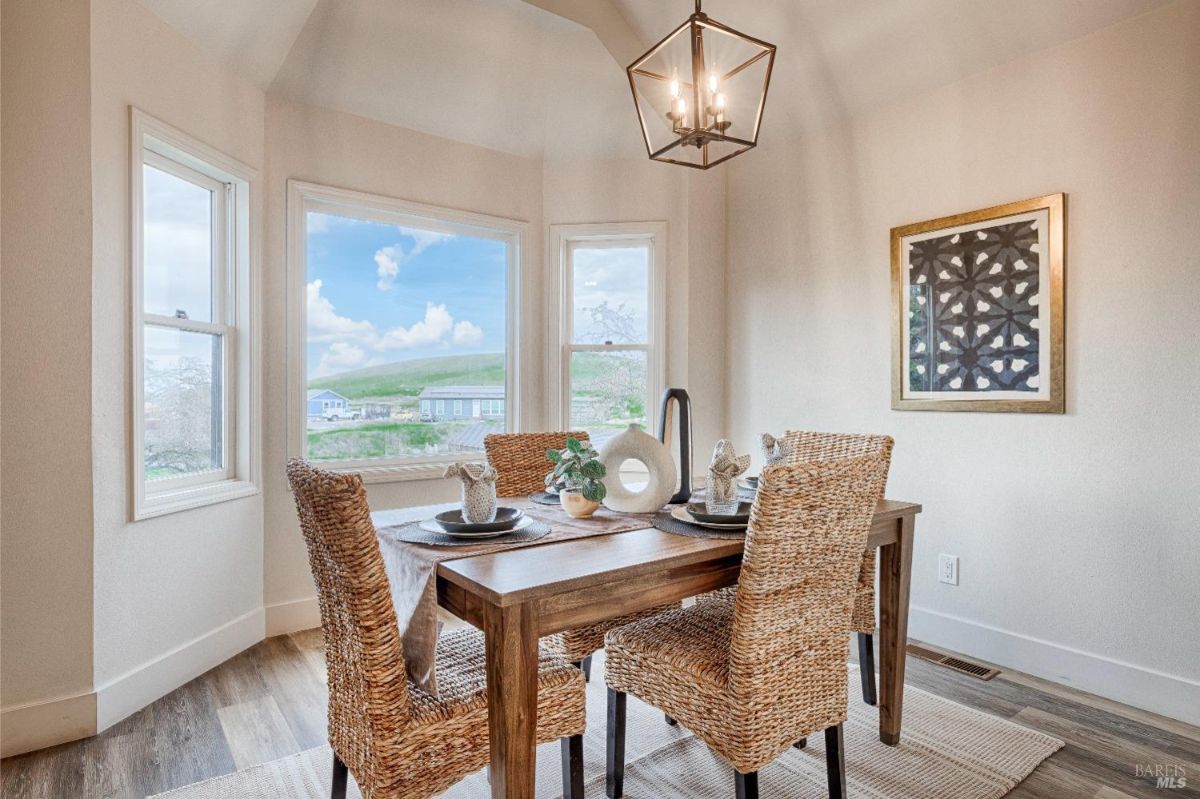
[(804, 547), (520, 459), (805, 445), (368, 687)]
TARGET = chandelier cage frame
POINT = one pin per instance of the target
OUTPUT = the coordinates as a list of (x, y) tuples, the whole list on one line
[(699, 132)]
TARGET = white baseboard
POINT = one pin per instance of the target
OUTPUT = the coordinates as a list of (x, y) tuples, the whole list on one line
[(24, 728), (131, 692), (293, 616), (1148, 689)]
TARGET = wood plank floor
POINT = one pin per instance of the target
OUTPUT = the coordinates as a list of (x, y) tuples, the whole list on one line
[(269, 702)]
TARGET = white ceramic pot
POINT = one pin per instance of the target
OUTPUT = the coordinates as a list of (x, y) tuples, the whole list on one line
[(635, 444), (577, 505)]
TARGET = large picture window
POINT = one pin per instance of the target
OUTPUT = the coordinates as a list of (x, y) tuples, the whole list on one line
[(609, 354), (191, 289), (406, 330)]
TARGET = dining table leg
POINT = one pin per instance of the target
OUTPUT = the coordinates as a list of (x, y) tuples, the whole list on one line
[(895, 577), (511, 642)]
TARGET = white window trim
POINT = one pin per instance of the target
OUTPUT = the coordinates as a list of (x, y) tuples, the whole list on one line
[(560, 302), (236, 284), (303, 197)]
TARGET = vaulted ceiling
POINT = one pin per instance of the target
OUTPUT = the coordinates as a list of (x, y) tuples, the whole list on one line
[(546, 77)]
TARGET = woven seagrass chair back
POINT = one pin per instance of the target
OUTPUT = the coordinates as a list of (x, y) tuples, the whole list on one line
[(805, 445), (368, 687), (804, 547), (520, 459)]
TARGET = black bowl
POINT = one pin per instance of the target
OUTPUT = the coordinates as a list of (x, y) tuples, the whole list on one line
[(701, 514), (506, 519)]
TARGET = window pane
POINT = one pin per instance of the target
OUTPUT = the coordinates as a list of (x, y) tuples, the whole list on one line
[(177, 246), (608, 392), (406, 337), (183, 406), (612, 290)]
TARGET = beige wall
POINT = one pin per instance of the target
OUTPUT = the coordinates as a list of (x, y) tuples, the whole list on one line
[(180, 580), (350, 152), (1077, 533), (46, 384)]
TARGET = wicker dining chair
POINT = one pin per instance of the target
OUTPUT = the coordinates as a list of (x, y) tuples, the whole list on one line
[(398, 741), (753, 675), (521, 467), (803, 445)]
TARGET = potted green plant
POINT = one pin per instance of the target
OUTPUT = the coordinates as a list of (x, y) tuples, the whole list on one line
[(578, 470)]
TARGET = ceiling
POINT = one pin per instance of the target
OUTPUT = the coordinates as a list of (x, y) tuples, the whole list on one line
[(545, 78)]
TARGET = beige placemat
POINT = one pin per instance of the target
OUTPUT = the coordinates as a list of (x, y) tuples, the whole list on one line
[(411, 567)]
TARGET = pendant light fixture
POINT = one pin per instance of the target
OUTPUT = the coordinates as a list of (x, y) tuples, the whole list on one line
[(700, 92)]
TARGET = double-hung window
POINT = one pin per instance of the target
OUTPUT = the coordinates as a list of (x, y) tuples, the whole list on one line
[(406, 313), (607, 366), (191, 308)]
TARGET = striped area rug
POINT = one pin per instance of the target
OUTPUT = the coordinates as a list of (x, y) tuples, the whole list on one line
[(947, 751)]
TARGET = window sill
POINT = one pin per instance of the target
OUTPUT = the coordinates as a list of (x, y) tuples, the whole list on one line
[(165, 502), (400, 472)]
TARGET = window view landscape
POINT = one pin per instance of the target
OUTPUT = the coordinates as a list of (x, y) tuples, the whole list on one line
[(406, 338), (183, 359), (609, 337)]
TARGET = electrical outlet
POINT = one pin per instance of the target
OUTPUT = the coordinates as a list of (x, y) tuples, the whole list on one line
[(948, 569)]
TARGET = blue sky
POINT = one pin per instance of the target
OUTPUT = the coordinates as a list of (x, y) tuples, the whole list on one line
[(379, 293)]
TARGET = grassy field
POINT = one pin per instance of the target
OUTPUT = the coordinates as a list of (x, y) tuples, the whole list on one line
[(386, 439), (407, 378)]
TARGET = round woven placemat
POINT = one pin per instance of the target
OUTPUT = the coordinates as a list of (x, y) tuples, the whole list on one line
[(545, 498), (668, 524), (413, 533)]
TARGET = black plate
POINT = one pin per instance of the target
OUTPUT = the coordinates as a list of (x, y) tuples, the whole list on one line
[(701, 514), (452, 520)]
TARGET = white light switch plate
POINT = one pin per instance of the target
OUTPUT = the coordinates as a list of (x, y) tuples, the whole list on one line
[(948, 569)]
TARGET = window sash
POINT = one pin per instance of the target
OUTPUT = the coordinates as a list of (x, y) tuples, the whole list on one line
[(221, 303), (564, 241), (304, 198)]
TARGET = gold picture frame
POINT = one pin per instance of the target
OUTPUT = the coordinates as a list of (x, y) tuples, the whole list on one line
[(971, 328)]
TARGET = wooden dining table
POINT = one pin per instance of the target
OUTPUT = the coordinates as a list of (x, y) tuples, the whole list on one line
[(516, 596)]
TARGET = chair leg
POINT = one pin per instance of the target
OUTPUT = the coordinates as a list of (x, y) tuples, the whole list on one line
[(803, 742), (835, 762), (745, 785), (586, 665), (866, 666), (614, 782), (572, 767), (670, 721), (340, 772)]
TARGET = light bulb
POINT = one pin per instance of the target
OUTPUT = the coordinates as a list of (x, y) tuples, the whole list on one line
[(712, 81), (674, 85), (681, 109), (719, 102)]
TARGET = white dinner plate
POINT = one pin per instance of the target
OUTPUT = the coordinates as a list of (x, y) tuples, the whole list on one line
[(431, 526), (747, 485), (681, 514)]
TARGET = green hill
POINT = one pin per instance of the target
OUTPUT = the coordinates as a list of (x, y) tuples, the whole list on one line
[(407, 378)]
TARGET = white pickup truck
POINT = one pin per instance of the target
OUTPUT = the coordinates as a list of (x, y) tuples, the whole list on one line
[(335, 413)]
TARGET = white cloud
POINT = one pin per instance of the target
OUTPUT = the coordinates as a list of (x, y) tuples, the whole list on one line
[(467, 334), (324, 323), (338, 358), (430, 331), (386, 266), (389, 259)]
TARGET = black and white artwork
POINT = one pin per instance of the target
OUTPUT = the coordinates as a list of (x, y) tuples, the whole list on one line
[(977, 321)]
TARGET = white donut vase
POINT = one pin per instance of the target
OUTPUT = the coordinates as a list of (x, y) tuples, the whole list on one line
[(634, 444)]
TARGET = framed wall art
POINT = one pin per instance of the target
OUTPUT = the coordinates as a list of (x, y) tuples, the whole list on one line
[(978, 310)]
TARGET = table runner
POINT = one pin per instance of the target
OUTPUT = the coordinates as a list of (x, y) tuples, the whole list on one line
[(411, 568)]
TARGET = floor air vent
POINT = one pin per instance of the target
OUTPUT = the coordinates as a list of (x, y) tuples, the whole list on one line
[(976, 670)]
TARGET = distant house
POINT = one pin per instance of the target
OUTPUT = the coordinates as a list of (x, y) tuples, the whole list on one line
[(326, 404), (447, 403)]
